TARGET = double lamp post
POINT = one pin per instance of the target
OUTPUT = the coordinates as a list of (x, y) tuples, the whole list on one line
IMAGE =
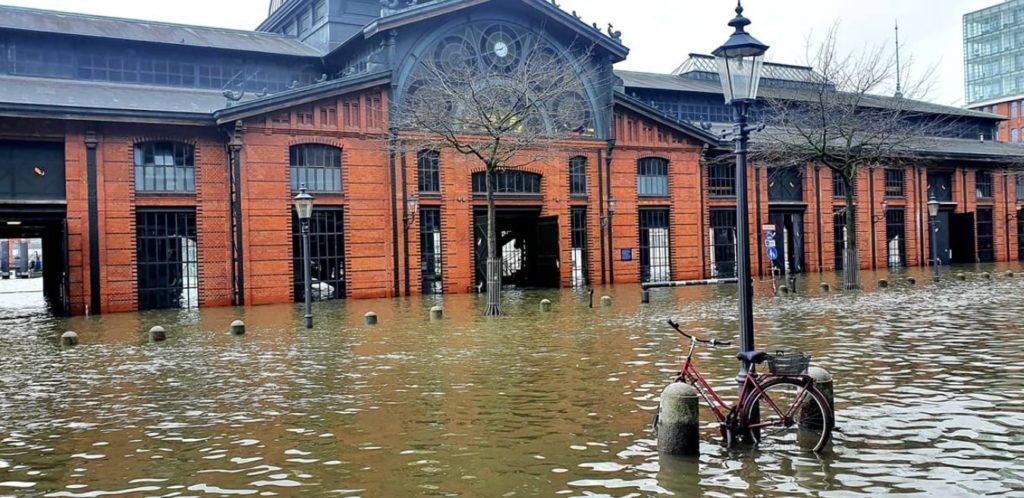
[(739, 67)]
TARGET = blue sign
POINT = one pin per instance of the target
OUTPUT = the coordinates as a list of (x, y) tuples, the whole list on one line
[(627, 255), (773, 253)]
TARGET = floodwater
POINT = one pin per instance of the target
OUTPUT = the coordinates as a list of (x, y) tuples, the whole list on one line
[(929, 395)]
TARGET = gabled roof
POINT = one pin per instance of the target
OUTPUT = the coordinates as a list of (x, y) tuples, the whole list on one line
[(657, 116), (442, 7), (181, 35), (300, 96)]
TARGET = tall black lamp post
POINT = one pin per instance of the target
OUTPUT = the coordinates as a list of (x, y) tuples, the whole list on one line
[(739, 67), (304, 211), (933, 221)]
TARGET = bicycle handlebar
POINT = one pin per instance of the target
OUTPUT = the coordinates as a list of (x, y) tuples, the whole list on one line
[(710, 342)]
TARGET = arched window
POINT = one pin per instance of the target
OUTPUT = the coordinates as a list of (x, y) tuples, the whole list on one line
[(578, 176), (428, 171), (508, 181), (165, 167), (652, 176), (316, 166)]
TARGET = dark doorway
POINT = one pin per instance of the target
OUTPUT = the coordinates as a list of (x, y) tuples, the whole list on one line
[(527, 246), (895, 237), (167, 258), (326, 255), (34, 244), (941, 231), (986, 236), (723, 243), (962, 238), (789, 239)]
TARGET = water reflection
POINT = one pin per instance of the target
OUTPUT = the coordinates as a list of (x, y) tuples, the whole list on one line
[(929, 398)]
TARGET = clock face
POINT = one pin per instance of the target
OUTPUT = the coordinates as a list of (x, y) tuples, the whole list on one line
[(501, 49)]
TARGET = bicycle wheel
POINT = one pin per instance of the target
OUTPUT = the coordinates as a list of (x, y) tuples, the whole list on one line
[(785, 415)]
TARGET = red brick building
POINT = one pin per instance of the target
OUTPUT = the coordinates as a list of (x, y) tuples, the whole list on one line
[(159, 163)]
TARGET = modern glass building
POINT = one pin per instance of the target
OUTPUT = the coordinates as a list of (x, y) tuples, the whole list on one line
[(994, 54)]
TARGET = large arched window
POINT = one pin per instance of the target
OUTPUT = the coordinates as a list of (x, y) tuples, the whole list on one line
[(316, 166), (652, 176), (165, 167), (508, 181)]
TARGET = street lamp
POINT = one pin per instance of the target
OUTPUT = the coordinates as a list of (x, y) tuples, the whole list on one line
[(611, 210), (412, 207), (304, 210), (739, 68), (933, 221)]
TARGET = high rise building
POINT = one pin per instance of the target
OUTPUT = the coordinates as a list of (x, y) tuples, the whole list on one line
[(994, 64)]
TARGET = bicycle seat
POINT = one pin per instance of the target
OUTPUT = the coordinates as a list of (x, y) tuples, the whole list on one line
[(754, 357)]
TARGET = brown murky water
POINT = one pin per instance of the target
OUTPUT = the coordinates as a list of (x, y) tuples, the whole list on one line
[(930, 397)]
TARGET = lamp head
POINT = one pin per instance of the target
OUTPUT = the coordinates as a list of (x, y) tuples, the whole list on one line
[(739, 61)]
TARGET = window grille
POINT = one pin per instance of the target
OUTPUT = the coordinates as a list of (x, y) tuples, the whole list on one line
[(986, 238), (652, 176), (579, 247), (786, 184), (430, 250), (895, 236), (326, 255), (655, 265), (167, 259), (894, 180), (167, 167), (316, 166), (578, 176), (723, 243), (722, 180), (839, 234), (507, 181), (983, 184), (428, 171), (838, 185)]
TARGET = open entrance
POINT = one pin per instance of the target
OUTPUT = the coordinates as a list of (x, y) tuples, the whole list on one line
[(962, 238), (789, 239), (33, 257), (527, 246)]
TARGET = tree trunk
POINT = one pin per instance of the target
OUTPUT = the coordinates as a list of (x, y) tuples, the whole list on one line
[(493, 261), (851, 254)]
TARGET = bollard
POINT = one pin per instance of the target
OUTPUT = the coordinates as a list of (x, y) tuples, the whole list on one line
[(961, 277), (437, 313), (545, 305), (645, 296), (606, 301), (591, 295), (237, 327), (157, 334), (679, 421), (911, 281), (783, 289), (883, 284), (986, 276), (69, 339), (825, 287), (370, 318), (823, 381), (1009, 274)]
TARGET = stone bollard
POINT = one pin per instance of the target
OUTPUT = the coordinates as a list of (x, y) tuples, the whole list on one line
[(911, 281), (883, 284), (436, 313), (679, 420), (69, 339), (545, 305), (783, 289), (961, 277), (606, 301), (645, 296), (823, 380), (986, 276), (825, 287), (237, 327), (370, 318), (1009, 274), (157, 334)]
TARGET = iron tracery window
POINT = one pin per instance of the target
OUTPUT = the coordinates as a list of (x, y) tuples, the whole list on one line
[(652, 176), (428, 171), (168, 167), (507, 181), (167, 258), (578, 176), (316, 166)]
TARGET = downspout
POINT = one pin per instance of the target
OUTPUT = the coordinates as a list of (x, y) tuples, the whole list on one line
[(871, 211), (611, 240), (758, 221), (817, 201), (235, 195), (1006, 211), (921, 188), (392, 146), (406, 223), (703, 209), (91, 143), (600, 212)]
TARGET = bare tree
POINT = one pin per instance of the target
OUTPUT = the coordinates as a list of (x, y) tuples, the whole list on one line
[(844, 122), (508, 106)]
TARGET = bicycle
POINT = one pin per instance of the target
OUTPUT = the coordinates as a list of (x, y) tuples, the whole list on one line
[(780, 409)]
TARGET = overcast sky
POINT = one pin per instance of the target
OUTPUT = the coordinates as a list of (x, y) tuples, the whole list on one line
[(660, 33)]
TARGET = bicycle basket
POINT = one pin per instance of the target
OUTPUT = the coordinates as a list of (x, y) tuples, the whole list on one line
[(788, 363)]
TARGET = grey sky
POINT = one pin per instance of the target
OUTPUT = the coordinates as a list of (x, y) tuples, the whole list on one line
[(660, 33)]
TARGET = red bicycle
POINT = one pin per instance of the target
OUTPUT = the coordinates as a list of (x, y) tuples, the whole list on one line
[(780, 410)]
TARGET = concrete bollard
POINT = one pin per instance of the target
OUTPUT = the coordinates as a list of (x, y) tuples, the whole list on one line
[(1009, 274), (883, 284), (911, 281), (783, 289), (825, 287), (237, 327), (679, 420), (645, 296), (436, 313), (157, 334), (823, 380), (961, 277), (809, 411), (69, 339), (606, 301), (986, 276), (545, 305), (370, 318)]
